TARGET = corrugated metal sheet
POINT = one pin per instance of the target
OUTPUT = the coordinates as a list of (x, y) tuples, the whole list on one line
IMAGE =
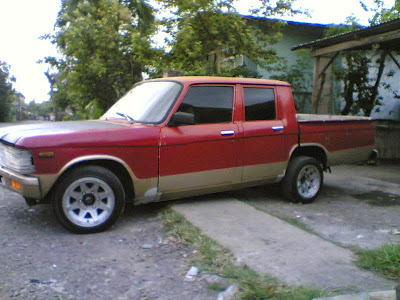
[(356, 35)]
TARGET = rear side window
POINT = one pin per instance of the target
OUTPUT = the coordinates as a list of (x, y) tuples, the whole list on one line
[(259, 104), (209, 104)]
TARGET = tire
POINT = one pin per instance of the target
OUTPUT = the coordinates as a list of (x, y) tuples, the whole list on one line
[(89, 199), (303, 180)]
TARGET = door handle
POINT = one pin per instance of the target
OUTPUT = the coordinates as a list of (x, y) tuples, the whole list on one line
[(277, 128), (227, 132)]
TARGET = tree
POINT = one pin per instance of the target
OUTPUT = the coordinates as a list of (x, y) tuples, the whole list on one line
[(300, 80), (381, 12), (105, 50), (6, 91), (204, 32), (360, 90)]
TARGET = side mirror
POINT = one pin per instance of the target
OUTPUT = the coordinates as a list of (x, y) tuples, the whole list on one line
[(181, 118)]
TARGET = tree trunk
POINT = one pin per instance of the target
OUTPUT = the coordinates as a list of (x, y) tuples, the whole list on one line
[(348, 97), (218, 59), (374, 94), (52, 80)]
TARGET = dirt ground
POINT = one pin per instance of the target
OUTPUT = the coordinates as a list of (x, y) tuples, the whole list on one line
[(358, 206), (133, 260)]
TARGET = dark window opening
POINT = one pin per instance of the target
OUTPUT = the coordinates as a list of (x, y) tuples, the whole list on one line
[(259, 104), (209, 104)]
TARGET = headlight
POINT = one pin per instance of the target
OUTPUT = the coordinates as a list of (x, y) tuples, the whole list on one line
[(16, 159)]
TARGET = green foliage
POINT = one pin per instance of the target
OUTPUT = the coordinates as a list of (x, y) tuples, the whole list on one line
[(356, 83), (106, 47), (385, 260), (381, 12), (40, 109), (270, 8), (205, 32), (298, 78), (241, 71), (6, 92), (360, 90)]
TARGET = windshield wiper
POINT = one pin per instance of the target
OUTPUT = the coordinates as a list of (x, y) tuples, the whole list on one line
[(128, 117)]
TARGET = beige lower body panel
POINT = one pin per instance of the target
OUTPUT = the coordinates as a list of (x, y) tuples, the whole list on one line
[(46, 183), (198, 183), (213, 181), (264, 171), (349, 156)]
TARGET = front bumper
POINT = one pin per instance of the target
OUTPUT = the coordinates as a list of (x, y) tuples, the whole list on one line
[(29, 186)]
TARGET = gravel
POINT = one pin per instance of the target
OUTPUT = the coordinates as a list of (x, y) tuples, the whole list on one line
[(132, 260)]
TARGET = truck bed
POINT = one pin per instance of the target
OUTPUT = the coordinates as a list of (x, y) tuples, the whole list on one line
[(345, 139)]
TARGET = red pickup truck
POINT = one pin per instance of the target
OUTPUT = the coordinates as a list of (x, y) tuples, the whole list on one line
[(177, 137)]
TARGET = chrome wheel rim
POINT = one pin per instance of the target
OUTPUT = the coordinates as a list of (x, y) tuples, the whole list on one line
[(308, 181), (88, 202)]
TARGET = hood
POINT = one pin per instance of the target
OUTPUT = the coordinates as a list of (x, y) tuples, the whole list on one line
[(12, 134), (75, 133)]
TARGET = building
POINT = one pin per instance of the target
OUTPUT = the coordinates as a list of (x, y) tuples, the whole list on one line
[(383, 39), (293, 34)]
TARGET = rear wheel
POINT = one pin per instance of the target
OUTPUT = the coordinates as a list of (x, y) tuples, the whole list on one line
[(303, 180), (89, 199)]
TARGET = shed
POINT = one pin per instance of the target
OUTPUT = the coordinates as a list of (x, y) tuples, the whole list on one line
[(386, 36)]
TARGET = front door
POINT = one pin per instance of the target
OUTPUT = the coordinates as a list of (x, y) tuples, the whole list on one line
[(202, 155)]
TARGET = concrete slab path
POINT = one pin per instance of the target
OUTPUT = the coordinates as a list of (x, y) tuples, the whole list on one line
[(274, 247)]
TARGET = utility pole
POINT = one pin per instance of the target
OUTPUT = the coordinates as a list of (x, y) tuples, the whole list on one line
[(52, 77)]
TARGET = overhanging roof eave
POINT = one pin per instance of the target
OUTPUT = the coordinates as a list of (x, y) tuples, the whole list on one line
[(364, 34)]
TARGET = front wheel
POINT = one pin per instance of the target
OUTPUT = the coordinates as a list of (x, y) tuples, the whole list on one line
[(303, 180), (89, 199)]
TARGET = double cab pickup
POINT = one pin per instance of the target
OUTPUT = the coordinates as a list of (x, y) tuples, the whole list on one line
[(178, 137)]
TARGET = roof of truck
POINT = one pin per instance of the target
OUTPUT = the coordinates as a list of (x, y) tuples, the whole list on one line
[(222, 80)]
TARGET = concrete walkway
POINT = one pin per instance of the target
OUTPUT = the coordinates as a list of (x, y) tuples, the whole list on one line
[(274, 247)]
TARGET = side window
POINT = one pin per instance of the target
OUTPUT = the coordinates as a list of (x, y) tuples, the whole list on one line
[(209, 104), (259, 104)]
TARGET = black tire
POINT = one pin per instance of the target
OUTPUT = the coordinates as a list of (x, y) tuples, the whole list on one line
[(89, 199), (303, 180)]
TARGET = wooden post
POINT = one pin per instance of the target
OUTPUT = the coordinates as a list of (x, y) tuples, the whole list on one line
[(322, 94)]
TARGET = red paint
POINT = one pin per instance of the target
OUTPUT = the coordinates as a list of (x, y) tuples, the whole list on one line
[(160, 150)]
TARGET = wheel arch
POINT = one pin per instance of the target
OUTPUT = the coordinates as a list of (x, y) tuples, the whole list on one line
[(311, 150), (114, 164)]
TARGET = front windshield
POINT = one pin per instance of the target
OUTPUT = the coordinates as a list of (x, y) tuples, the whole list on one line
[(147, 102)]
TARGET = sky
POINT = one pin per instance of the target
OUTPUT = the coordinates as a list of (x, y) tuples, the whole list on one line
[(22, 22)]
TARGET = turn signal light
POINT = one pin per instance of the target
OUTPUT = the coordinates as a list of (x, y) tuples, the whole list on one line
[(15, 185)]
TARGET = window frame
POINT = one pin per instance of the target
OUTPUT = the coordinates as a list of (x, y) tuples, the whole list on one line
[(234, 97), (243, 106)]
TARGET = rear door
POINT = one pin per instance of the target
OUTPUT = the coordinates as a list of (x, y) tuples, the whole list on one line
[(202, 155), (263, 134)]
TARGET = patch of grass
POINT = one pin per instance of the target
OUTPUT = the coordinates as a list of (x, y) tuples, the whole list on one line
[(217, 287), (385, 260), (213, 258)]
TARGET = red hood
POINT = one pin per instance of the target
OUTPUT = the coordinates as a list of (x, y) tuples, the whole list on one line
[(80, 134)]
